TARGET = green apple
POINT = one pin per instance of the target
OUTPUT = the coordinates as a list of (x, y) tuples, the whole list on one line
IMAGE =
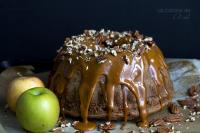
[(37, 109), (18, 86)]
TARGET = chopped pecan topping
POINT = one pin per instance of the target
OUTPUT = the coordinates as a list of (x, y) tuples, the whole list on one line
[(101, 38), (113, 52), (126, 59), (138, 35), (93, 43), (101, 59), (67, 39)]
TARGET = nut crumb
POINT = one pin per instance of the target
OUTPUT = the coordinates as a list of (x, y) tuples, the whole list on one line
[(106, 126), (126, 59), (113, 52), (70, 60), (87, 68), (101, 59)]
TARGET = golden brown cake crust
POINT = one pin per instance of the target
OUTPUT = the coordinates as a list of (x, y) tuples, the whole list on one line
[(107, 74)]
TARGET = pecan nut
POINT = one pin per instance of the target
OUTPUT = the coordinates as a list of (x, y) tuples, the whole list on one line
[(156, 122), (172, 118), (189, 102), (193, 90), (163, 130), (174, 109)]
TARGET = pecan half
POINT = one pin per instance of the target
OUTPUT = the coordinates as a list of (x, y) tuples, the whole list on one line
[(172, 118), (163, 130), (174, 109), (189, 102), (193, 90), (156, 122)]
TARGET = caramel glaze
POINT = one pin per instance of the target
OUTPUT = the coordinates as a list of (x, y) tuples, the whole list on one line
[(117, 72)]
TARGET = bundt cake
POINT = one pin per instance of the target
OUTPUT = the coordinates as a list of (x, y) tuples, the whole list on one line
[(110, 75)]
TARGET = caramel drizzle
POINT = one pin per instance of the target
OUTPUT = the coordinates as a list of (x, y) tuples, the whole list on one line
[(116, 72), (125, 103)]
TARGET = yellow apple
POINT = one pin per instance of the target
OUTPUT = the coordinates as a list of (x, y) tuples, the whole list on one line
[(18, 86)]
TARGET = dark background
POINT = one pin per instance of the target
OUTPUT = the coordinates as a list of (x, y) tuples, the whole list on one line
[(34, 30)]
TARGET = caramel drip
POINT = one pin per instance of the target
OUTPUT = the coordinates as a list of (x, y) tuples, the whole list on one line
[(157, 66), (125, 106), (137, 87), (117, 72), (124, 92)]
